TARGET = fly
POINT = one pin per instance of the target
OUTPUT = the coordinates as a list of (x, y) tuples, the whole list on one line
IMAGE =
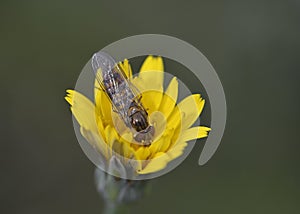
[(124, 99)]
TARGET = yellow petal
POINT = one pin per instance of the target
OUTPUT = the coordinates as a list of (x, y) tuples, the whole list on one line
[(190, 109), (151, 100), (142, 153), (128, 151), (162, 144), (111, 136), (125, 66), (103, 105), (195, 133), (96, 141), (150, 93), (174, 120), (161, 159), (159, 162), (150, 79), (152, 63), (100, 126), (83, 110), (169, 98), (119, 124), (151, 73), (177, 150)]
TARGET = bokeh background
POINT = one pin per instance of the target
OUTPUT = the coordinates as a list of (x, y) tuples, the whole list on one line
[(254, 47)]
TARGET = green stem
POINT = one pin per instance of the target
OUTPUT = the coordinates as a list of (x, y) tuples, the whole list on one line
[(115, 208), (110, 207)]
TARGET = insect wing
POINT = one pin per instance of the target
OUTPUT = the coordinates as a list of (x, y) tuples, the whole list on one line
[(113, 82), (102, 63)]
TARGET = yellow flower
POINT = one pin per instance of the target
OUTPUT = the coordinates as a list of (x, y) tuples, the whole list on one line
[(103, 129)]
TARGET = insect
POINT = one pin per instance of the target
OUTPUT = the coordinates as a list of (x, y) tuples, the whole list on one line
[(123, 96)]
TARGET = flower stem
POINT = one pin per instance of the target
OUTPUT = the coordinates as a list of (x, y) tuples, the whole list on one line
[(110, 207)]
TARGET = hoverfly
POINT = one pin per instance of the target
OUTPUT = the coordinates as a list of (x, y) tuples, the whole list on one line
[(123, 96)]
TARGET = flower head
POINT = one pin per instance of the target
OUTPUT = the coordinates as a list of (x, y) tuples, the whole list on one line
[(104, 129)]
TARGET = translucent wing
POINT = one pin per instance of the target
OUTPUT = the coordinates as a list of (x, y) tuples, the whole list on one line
[(112, 80), (102, 63)]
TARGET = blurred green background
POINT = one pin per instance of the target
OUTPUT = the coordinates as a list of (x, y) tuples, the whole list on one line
[(254, 47)]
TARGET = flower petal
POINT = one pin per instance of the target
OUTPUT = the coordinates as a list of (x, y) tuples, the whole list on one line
[(177, 150), (174, 120), (161, 159), (150, 82), (151, 100), (190, 109), (152, 63), (159, 162), (169, 98), (111, 136), (162, 144), (142, 153), (83, 110), (195, 133), (126, 67), (151, 94), (116, 167), (103, 105), (98, 143), (128, 151)]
